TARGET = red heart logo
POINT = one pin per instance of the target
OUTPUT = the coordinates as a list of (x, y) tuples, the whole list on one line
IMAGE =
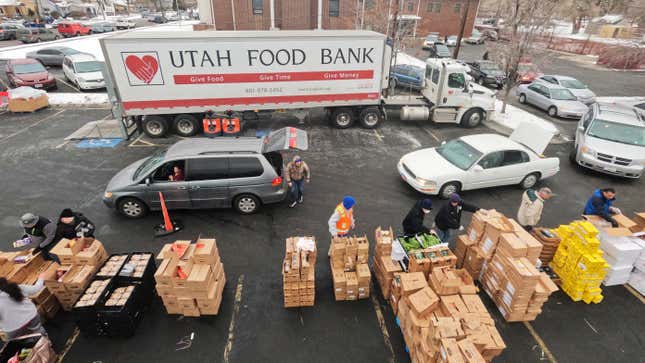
[(143, 68)]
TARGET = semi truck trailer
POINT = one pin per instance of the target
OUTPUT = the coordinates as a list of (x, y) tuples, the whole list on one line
[(170, 81)]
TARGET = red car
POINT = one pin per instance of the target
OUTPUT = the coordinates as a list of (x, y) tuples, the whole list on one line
[(30, 73), (73, 29), (527, 72)]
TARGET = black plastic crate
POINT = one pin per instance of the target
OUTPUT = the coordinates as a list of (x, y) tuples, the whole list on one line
[(87, 317), (97, 277), (122, 320), (148, 273)]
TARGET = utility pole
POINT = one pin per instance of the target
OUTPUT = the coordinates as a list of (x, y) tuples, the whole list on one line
[(462, 27), (394, 35), (362, 13)]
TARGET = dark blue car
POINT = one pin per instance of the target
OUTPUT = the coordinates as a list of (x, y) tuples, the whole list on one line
[(407, 76)]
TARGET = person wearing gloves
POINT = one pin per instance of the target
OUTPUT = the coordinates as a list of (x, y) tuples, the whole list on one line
[(40, 231), (73, 224), (342, 220), (600, 204), (449, 217), (413, 222), (531, 207), (18, 314), (296, 175)]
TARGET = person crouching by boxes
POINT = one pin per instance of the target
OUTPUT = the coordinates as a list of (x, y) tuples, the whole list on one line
[(18, 314), (40, 231), (72, 225)]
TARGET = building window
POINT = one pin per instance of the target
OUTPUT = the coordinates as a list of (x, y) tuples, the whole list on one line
[(257, 7), (434, 7), (334, 7), (410, 6), (458, 8)]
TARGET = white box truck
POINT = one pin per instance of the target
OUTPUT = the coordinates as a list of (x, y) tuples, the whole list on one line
[(170, 80)]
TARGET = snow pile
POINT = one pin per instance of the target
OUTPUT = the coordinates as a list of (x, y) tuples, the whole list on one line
[(79, 99), (406, 59), (25, 93), (621, 100), (514, 116)]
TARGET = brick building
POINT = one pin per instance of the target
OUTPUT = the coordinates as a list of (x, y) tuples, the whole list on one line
[(417, 17)]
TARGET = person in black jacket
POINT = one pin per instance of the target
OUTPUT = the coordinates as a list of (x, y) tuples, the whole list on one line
[(40, 231), (72, 225), (449, 217), (413, 222)]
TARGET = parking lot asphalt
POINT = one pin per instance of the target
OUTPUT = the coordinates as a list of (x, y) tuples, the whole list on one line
[(43, 174)]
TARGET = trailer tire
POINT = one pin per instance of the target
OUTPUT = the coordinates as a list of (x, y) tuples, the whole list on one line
[(342, 118), (186, 125), (155, 126), (472, 118), (370, 117)]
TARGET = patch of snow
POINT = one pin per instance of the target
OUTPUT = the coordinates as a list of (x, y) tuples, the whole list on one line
[(84, 99), (515, 116), (406, 59)]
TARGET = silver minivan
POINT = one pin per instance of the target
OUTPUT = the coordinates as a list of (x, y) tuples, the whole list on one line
[(239, 172), (611, 139)]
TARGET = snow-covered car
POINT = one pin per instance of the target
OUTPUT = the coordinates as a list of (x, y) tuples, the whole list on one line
[(480, 161), (475, 38), (557, 101), (579, 89), (451, 41)]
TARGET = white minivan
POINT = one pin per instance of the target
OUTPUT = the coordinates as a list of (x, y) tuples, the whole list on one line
[(84, 71)]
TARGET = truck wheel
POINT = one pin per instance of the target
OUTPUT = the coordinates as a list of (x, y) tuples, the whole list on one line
[(392, 83), (370, 117), (472, 118), (342, 118), (155, 126), (186, 125)]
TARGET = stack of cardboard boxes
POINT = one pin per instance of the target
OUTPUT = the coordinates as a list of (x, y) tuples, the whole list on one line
[(550, 242), (637, 276), (80, 259), (350, 272), (621, 251), (191, 278), (428, 259), (445, 321), (384, 267), (298, 272), (579, 262)]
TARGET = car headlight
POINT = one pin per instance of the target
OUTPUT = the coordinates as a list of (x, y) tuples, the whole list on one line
[(426, 182), (107, 195), (587, 150)]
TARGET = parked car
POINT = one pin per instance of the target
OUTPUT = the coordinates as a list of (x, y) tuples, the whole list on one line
[(84, 71), (432, 38), (527, 72), (75, 29), (52, 56), (9, 31), (101, 27), (611, 140), (451, 41), (37, 35), (557, 101), (243, 173), (407, 76), (30, 73), (123, 23), (475, 38), (480, 161), (637, 103), (487, 73), (159, 19), (579, 89), (439, 51)]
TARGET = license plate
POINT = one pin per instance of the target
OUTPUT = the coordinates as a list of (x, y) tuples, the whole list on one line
[(611, 170), (38, 85)]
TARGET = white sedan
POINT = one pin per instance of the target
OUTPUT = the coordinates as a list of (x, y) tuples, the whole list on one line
[(480, 161)]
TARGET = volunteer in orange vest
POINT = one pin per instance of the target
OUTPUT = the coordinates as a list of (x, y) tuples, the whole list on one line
[(342, 221)]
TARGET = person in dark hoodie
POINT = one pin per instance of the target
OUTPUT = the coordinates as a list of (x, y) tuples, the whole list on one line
[(72, 225), (600, 204), (449, 217), (413, 222)]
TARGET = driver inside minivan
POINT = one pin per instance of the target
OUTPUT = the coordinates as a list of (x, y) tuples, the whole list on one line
[(177, 174)]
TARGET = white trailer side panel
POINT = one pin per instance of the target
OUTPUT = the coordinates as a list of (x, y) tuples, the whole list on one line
[(184, 72)]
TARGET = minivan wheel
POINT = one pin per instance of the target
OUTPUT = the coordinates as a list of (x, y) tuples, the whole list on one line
[(246, 204), (186, 125), (132, 208), (155, 126)]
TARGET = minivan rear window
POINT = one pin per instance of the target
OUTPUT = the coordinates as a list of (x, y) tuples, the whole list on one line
[(207, 169), (245, 167)]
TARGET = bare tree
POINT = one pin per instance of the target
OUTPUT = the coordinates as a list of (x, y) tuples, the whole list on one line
[(525, 21)]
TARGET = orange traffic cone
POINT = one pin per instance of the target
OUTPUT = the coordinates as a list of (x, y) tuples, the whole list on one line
[(168, 226)]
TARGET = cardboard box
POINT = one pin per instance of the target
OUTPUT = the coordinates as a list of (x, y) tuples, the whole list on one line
[(66, 249), (206, 251), (424, 301), (449, 351), (409, 283), (91, 253), (624, 222), (165, 272), (176, 250), (28, 104), (179, 274), (199, 278), (470, 352), (639, 218)]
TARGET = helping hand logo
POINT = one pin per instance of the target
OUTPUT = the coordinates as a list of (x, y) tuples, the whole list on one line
[(142, 68)]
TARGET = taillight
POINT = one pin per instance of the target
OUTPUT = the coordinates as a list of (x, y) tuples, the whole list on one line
[(277, 181)]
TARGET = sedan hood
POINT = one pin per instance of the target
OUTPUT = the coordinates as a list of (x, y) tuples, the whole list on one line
[(615, 148), (575, 106), (124, 178), (428, 164), (582, 93), (32, 76), (91, 76)]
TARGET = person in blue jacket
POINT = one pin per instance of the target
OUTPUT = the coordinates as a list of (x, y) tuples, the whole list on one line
[(600, 204)]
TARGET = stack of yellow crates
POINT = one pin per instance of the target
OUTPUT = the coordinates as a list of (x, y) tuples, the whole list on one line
[(579, 262)]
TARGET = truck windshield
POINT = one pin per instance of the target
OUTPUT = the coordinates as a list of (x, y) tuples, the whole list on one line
[(612, 131), (148, 165), (459, 153)]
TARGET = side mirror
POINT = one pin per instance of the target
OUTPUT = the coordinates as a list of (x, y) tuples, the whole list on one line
[(581, 128), (478, 168), (148, 181)]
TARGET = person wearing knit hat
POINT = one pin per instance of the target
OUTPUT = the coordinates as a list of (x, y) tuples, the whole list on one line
[(342, 220), (413, 222), (72, 225), (449, 218)]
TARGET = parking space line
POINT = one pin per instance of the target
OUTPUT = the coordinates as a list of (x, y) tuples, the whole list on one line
[(381, 323), (77, 90), (30, 126), (538, 339), (236, 310), (635, 293), (68, 344), (135, 142), (378, 136)]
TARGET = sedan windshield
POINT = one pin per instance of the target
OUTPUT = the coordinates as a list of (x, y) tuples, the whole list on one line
[(625, 134), (87, 67), (459, 153), (28, 68), (150, 164), (573, 84), (562, 94)]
